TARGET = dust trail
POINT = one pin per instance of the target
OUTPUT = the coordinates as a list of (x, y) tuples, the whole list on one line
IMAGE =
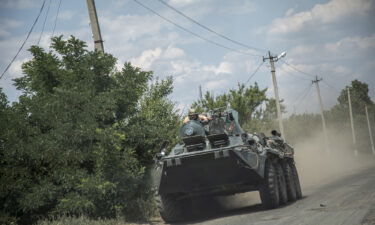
[(315, 166)]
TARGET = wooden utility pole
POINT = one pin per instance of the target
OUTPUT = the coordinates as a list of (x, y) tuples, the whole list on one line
[(352, 123), (272, 60), (200, 93), (369, 131), (98, 42), (316, 81)]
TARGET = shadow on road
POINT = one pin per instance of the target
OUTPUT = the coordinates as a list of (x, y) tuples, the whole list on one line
[(215, 209)]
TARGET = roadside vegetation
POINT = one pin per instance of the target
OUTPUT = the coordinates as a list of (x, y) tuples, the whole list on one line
[(81, 138), (78, 146)]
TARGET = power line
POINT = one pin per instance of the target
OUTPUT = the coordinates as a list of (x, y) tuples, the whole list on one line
[(302, 94), (209, 29), (57, 14), (192, 33), (298, 70), (330, 86), (27, 37), (301, 100), (45, 20), (302, 78), (255, 71)]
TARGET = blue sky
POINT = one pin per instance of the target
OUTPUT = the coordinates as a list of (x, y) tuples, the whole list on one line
[(333, 39)]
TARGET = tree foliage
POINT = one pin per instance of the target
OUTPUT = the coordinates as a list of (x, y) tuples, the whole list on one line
[(358, 95), (246, 100), (81, 136), (257, 112)]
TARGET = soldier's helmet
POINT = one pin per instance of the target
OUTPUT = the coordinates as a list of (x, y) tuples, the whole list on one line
[(192, 114)]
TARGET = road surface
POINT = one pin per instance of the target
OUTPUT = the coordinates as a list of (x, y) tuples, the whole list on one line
[(349, 200)]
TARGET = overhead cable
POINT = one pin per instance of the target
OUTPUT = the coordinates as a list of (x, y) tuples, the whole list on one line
[(303, 93), (304, 96), (57, 15), (255, 71), (44, 23), (209, 29), (192, 33), (296, 69), (291, 74), (27, 37), (330, 86)]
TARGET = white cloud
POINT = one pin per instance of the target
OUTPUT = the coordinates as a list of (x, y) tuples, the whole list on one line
[(240, 8), (18, 4), (6, 24), (10, 23), (66, 15), (352, 42), (4, 33), (173, 53), (215, 84), (15, 70), (136, 26), (222, 68), (289, 12), (348, 48), (183, 2), (326, 13), (146, 59)]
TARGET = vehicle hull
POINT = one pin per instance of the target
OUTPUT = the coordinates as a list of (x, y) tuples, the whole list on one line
[(210, 172)]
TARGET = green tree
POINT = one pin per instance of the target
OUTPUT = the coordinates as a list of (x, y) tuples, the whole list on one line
[(71, 145), (359, 97), (265, 119), (246, 100)]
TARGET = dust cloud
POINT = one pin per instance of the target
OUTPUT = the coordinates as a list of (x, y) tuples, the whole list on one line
[(316, 167)]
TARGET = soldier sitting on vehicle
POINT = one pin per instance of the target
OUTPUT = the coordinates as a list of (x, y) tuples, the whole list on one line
[(195, 116), (276, 141)]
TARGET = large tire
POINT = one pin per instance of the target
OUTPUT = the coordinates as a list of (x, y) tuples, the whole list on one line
[(172, 210), (290, 183), (283, 196), (268, 190), (296, 180)]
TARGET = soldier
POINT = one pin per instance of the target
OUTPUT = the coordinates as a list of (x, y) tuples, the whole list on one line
[(276, 141), (195, 116)]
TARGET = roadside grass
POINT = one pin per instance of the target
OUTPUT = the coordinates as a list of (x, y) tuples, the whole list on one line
[(82, 220)]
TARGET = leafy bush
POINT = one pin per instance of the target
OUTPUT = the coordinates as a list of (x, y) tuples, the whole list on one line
[(81, 137)]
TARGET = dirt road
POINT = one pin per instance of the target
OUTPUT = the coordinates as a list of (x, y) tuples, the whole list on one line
[(349, 199)]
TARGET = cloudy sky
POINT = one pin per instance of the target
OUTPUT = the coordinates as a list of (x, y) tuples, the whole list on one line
[(333, 39)]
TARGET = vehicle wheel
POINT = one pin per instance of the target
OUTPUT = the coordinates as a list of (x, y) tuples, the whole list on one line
[(290, 183), (296, 180), (268, 190), (172, 210), (283, 196)]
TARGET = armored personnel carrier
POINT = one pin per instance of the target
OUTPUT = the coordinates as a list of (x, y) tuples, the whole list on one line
[(219, 158)]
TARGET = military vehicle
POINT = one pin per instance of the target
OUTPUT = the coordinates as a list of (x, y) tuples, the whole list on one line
[(218, 158)]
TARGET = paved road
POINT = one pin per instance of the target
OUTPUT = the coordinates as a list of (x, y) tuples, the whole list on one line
[(348, 200)]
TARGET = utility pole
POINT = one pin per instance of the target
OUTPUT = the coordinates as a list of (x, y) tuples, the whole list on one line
[(369, 131), (200, 93), (352, 123), (272, 60), (98, 42), (316, 81)]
